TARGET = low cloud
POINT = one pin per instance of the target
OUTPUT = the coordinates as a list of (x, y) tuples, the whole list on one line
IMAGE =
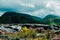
[(32, 7)]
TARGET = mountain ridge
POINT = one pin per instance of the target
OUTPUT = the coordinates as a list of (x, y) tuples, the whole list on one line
[(19, 16), (13, 17)]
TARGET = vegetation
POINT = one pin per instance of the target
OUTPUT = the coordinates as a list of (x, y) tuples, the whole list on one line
[(13, 17), (25, 32)]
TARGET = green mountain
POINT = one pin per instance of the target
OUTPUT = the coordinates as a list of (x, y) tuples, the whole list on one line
[(13, 17), (52, 19)]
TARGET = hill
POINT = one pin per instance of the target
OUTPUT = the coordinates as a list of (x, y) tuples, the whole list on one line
[(52, 19), (13, 17)]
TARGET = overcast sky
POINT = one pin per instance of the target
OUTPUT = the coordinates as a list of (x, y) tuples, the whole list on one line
[(39, 8)]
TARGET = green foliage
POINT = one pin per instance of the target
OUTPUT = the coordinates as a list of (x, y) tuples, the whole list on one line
[(33, 33), (25, 32)]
